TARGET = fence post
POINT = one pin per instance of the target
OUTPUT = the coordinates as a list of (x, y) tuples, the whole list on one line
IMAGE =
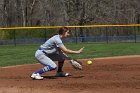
[(45, 34), (135, 34), (106, 35), (14, 34), (76, 34)]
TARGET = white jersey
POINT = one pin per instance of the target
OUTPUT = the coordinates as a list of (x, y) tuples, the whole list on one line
[(52, 44)]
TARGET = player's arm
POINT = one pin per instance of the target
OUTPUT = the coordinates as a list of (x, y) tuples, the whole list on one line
[(65, 50)]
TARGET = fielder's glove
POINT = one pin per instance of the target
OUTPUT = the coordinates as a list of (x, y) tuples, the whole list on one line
[(76, 64)]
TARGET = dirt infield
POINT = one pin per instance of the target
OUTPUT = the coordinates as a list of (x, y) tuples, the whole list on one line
[(105, 75)]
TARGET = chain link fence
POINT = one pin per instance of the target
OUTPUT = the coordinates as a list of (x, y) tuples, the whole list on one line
[(78, 35)]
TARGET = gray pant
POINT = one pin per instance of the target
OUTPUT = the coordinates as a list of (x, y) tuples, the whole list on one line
[(49, 59)]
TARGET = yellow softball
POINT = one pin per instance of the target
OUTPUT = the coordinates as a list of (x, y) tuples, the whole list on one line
[(89, 62)]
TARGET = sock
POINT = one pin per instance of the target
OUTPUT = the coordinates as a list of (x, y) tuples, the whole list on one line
[(46, 68), (40, 71), (60, 65)]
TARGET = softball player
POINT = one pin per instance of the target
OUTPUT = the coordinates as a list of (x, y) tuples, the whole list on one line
[(51, 51)]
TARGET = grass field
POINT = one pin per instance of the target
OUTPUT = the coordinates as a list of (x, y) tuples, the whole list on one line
[(24, 54)]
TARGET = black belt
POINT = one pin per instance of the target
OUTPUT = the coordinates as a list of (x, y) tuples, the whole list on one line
[(42, 51)]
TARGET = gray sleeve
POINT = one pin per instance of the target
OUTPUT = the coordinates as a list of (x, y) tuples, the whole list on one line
[(59, 43)]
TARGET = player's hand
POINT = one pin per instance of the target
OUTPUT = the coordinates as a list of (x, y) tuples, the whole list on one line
[(80, 50)]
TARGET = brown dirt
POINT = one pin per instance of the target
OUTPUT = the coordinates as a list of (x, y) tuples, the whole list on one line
[(105, 75)]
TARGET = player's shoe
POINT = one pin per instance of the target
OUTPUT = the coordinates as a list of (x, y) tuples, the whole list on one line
[(62, 74), (36, 76)]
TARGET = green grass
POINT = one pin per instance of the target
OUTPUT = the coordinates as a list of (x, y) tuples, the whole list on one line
[(106, 50), (24, 54), (21, 54)]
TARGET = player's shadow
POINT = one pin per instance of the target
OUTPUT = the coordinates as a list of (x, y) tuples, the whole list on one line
[(50, 77), (55, 77), (76, 76)]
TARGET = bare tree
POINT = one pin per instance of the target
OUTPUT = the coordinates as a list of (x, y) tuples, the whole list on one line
[(68, 12)]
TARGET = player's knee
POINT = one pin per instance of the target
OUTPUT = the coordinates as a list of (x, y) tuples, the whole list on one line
[(50, 68), (54, 67)]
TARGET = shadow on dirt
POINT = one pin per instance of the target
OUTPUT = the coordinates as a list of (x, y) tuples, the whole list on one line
[(54, 77), (50, 77)]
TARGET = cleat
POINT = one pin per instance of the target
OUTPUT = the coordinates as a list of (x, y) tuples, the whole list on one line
[(36, 76), (62, 74)]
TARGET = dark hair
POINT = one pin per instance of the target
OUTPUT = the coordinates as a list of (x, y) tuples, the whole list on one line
[(62, 30)]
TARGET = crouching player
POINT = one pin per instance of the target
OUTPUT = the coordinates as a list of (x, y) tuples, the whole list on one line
[(51, 51)]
